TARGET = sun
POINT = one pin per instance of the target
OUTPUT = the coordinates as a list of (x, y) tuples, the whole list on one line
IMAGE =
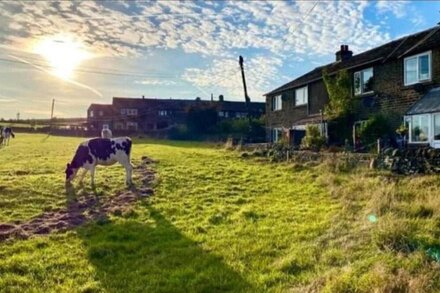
[(63, 53)]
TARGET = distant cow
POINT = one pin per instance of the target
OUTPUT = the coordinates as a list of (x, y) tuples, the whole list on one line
[(100, 151), (6, 134), (106, 133)]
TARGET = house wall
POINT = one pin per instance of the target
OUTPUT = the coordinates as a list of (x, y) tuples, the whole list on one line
[(393, 95), (291, 114), (390, 94)]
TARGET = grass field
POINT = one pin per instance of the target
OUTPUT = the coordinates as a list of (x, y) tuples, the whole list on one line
[(218, 222)]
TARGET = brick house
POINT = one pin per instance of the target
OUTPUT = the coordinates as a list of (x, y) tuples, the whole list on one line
[(394, 77), (154, 115)]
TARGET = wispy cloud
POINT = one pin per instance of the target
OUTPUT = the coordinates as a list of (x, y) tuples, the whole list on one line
[(225, 76), (398, 8), (269, 34), (153, 81)]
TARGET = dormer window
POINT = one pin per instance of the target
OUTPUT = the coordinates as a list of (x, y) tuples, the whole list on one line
[(276, 103), (363, 81), (417, 68)]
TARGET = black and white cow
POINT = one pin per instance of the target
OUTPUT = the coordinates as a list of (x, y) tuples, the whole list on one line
[(6, 135), (100, 151)]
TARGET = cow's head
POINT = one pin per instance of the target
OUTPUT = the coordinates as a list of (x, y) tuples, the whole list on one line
[(70, 173)]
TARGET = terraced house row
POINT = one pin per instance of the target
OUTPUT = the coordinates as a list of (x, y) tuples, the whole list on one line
[(402, 76)]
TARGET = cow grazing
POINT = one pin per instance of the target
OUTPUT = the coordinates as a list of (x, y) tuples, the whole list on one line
[(106, 133), (6, 135), (100, 151)]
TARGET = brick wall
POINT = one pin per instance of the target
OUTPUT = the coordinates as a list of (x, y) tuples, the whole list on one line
[(289, 114), (389, 86)]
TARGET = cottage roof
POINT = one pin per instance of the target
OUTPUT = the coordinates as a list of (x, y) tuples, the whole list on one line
[(104, 107), (429, 103), (406, 46)]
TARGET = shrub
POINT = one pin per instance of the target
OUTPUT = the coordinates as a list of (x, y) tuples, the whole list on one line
[(313, 139), (377, 126)]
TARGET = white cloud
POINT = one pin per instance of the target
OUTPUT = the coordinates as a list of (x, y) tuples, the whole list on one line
[(153, 81), (278, 27), (224, 76), (398, 8), (270, 33)]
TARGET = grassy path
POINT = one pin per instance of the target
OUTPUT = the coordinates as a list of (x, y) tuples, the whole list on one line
[(216, 223)]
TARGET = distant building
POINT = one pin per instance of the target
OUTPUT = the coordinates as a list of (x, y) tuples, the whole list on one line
[(151, 115)]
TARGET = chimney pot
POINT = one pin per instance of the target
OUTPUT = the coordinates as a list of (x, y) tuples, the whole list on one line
[(344, 53)]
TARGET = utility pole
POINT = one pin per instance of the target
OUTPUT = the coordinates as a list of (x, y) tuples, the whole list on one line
[(246, 96), (51, 114), (51, 111), (18, 116)]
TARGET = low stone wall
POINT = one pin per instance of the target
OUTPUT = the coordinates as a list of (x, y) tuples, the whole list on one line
[(280, 153), (410, 161)]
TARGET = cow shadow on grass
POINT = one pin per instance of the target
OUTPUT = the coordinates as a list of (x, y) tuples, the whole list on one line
[(154, 257)]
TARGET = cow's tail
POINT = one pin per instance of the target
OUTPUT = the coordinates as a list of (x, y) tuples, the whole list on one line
[(12, 134)]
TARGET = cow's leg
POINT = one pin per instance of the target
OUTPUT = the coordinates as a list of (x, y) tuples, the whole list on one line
[(92, 174), (125, 161), (81, 177)]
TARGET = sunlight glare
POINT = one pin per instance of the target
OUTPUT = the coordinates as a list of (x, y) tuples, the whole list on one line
[(63, 53)]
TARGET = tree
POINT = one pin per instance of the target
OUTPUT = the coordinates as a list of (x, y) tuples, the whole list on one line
[(201, 119)]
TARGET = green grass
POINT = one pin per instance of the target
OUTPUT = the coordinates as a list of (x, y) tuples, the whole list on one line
[(218, 222)]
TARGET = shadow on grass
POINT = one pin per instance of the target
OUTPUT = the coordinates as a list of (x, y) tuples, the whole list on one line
[(155, 257)]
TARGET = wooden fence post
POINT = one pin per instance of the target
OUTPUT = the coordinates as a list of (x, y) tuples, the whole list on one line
[(378, 145)]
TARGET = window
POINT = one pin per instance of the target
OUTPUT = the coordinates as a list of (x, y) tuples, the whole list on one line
[(132, 125), (276, 103), (301, 96), (101, 113), (132, 112), (276, 134), (363, 81), (119, 126), (436, 126), (163, 113), (419, 128), (91, 113), (417, 68)]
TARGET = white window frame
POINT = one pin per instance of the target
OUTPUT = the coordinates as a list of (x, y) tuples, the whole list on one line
[(132, 124), (429, 53), (433, 126), (276, 134), (163, 113), (429, 134), (361, 77), (306, 91), (91, 113), (277, 103), (131, 112)]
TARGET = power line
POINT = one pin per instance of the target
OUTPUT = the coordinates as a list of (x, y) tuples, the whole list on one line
[(302, 20)]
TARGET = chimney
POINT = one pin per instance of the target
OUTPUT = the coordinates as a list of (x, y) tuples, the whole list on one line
[(221, 98), (143, 97), (344, 53)]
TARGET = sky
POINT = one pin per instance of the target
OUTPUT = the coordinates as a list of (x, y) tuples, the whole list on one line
[(86, 52)]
